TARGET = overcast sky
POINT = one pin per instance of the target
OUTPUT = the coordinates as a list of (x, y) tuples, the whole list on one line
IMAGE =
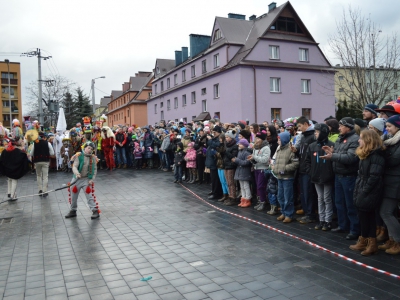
[(89, 39)]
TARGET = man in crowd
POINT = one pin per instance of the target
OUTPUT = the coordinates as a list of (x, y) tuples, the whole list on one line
[(211, 163), (369, 112)]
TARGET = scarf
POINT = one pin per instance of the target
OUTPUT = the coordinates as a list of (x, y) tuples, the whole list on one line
[(393, 140)]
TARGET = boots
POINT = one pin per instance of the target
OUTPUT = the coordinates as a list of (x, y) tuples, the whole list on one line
[(395, 249), (281, 218), (225, 197), (124, 167), (247, 203), (372, 247), (95, 214), (383, 235), (361, 244), (242, 202), (261, 206), (71, 214), (273, 210), (258, 204), (119, 166), (389, 244), (230, 202), (193, 177)]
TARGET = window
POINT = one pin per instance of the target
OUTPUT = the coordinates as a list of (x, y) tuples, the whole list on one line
[(5, 75), (305, 86), (155, 89), (306, 112), (193, 97), (157, 70), (161, 104), (351, 84), (203, 91), (216, 60), (4, 90), (204, 66), (6, 104), (193, 117), (216, 90), (155, 108), (273, 52), (168, 104), (303, 54), (162, 86), (183, 75), (395, 86), (168, 83), (276, 113), (150, 94), (204, 105), (341, 90), (176, 102), (184, 120), (217, 35), (162, 115), (275, 85), (341, 77), (193, 71), (286, 24), (175, 79), (183, 100)]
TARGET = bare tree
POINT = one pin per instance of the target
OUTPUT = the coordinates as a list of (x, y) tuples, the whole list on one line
[(370, 59)]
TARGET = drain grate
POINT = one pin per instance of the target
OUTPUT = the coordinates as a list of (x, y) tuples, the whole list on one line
[(6, 220)]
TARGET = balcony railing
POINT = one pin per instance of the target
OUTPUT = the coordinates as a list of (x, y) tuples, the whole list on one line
[(12, 81), (6, 109)]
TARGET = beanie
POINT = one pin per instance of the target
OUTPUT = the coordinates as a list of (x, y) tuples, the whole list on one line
[(371, 108), (241, 125), (217, 129), (136, 144), (333, 124), (395, 120), (245, 133), (360, 123), (231, 134), (378, 123), (348, 122), (244, 142), (262, 135)]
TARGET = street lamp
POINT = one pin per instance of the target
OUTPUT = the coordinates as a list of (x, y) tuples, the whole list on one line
[(93, 98), (9, 89)]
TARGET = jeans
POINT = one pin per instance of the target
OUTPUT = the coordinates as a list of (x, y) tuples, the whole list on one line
[(307, 195), (178, 172), (261, 184), (325, 209), (346, 211), (215, 183), (165, 160), (387, 211), (121, 152), (222, 178), (285, 197), (272, 199)]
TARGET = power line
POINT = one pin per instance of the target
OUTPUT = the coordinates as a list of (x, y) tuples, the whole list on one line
[(102, 91)]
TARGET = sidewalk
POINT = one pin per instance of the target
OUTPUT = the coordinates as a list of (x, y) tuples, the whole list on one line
[(152, 227)]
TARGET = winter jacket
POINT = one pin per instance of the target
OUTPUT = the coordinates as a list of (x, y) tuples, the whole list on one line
[(220, 156), (120, 138), (307, 138), (261, 157), (199, 144), (190, 158), (391, 179), (320, 170), (285, 163), (185, 141), (179, 155), (243, 170), (211, 160), (231, 151), (148, 138), (344, 158), (369, 183), (165, 143), (137, 153), (333, 137)]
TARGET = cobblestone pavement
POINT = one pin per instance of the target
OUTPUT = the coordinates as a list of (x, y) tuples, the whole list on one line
[(152, 227)]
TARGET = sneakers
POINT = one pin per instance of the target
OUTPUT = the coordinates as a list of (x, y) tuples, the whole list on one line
[(258, 204), (175, 181), (327, 226), (45, 195), (95, 214), (319, 226), (306, 220), (40, 193), (71, 214)]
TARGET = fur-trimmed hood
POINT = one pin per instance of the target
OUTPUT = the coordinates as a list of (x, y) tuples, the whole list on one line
[(109, 132)]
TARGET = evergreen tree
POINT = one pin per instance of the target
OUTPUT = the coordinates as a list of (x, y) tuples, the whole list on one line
[(82, 106), (69, 109)]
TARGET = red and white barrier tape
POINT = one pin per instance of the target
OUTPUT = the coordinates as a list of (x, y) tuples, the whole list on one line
[(297, 238)]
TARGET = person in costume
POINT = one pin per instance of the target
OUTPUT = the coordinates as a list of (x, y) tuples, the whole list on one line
[(107, 144), (3, 134), (13, 164), (78, 127), (41, 153), (85, 170), (65, 154), (76, 142), (96, 139)]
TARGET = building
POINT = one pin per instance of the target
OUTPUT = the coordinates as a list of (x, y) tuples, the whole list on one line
[(102, 108), (128, 106), (259, 69), (12, 71)]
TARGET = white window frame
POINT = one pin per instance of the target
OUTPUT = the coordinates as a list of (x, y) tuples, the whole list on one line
[(274, 52), (193, 97), (204, 105), (204, 66), (306, 86), (275, 84), (176, 79), (176, 104), (168, 83), (304, 55), (217, 35), (184, 101), (216, 61), (193, 71), (216, 91), (183, 75)]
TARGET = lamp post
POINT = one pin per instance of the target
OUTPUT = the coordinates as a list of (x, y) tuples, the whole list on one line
[(9, 89), (93, 98)]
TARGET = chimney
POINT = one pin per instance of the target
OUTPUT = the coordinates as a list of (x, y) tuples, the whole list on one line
[(236, 16), (253, 17), (198, 43), (178, 58), (185, 53), (272, 6)]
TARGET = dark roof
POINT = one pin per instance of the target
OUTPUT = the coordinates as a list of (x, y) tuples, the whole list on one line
[(116, 94), (105, 100), (165, 65), (136, 83), (203, 116)]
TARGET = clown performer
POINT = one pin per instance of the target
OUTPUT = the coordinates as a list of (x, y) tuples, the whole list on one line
[(108, 146), (13, 164), (78, 128), (87, 128), (84, 169), (96, 139)]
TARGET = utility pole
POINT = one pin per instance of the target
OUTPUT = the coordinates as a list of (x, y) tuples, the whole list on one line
[(93, 98)]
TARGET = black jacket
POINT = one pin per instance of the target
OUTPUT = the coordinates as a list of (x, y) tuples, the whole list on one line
[(211, 159), (391, 179), (306, 140), (345, 160), (199, 144), (320, 170), (368, 189), (179, 155), (231, 151)]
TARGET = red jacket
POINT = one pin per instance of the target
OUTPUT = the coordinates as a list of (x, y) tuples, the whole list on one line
[(107, 143)]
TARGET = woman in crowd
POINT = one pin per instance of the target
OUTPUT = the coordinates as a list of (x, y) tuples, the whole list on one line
[(333, 125), (272, 138), (199, 146), (254, 129), (220, 154), (231, 151), (147, 147)]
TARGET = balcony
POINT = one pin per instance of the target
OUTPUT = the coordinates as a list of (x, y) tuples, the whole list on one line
[(12, 81), (14, 109)]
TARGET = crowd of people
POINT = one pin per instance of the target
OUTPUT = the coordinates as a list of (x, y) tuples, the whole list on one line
[(343, 172)]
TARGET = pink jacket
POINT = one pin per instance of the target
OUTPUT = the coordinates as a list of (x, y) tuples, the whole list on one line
[(190, 158)]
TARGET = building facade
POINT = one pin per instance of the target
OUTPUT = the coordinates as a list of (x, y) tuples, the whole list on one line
[(259, 69), (11, 70)]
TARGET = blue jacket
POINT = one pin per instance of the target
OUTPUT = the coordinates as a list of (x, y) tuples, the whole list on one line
[(211, 159)]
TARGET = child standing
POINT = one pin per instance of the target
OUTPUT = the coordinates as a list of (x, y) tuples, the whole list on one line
[(137, 154), (178, 159), (243, 172), (285, 165), (190, 159)]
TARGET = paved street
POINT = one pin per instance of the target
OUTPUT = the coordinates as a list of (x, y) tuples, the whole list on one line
[(152, 227)]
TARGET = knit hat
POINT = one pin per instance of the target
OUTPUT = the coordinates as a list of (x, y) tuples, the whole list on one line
[(378, 123), (395, 120), (188, 129), (217, 129), (180, 145), (191, 144), (262, 135), (348, 122), (372, 108), (245, 133), (130, 129), (231, 134), (241, 125), (360, 123), (90, 144), (333, 124), (212, 121), (244, 142), (284, 137), (323, 131)]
